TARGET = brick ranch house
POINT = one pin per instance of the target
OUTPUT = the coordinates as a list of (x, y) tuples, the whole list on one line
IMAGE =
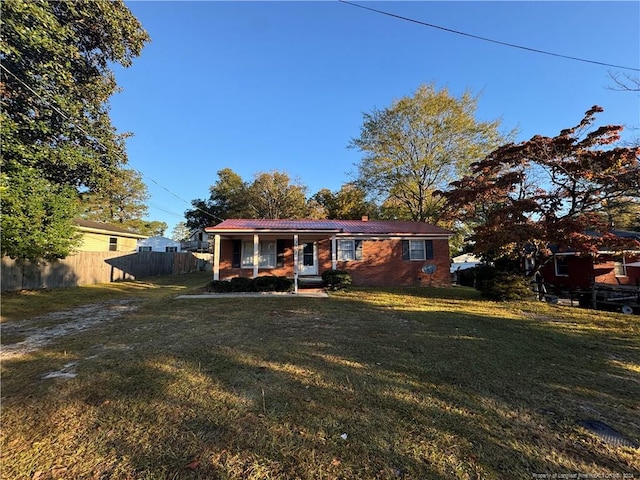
[(375, 253)]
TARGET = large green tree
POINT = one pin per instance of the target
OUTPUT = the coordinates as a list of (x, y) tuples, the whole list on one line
[(56, 59), (227, 199), (275, 195), (419, 145), (180, 232), (348, 203), (270, 195), (120, 199), (550, 192)]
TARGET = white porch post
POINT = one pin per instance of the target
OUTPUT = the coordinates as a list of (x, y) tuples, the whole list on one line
[(216, 256), (334, 252), (295, 263), (256, 254)]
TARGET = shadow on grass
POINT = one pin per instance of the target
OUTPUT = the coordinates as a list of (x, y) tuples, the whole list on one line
[(346, 388)]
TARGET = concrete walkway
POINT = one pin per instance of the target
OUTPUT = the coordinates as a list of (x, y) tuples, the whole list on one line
[(307, 293)]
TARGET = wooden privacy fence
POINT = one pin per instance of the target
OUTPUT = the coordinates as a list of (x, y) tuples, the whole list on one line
[(88, 268)]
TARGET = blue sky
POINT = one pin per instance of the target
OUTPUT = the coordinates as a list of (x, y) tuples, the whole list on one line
[(262, 86)]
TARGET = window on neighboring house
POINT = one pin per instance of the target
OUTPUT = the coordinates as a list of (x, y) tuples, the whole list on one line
[(561, 266), (144, 249), (266, 254), (349, 250), (170, 249), (417, 249), (113, 244), (619, 266)]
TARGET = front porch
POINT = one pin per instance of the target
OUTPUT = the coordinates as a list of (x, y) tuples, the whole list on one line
[(300, 256)]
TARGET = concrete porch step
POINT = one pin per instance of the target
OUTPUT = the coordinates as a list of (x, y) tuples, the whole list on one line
[(310, 281)]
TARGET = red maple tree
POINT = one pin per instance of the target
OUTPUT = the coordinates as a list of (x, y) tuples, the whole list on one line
[(525, 198)]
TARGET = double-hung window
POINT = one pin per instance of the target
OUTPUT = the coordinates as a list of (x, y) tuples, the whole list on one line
[(113, 244), (561, 266), (417, 249), (349, 250), (266, 254)]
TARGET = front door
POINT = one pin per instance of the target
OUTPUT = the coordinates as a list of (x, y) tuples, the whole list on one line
[(308, 261)]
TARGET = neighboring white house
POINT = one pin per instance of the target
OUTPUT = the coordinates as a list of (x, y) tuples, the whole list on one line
[(158, 244), (464, 261), (198, 241)]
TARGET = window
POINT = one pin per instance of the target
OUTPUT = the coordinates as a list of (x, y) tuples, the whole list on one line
[(562, 266), (417, 249), (170, 249), (619, 266), (144, 249), (266, 254), (113, 244), (349, 250)]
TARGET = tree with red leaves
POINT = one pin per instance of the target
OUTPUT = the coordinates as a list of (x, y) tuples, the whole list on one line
[(548, 191)]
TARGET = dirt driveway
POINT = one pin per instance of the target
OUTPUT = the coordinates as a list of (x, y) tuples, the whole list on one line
[(37, 332)]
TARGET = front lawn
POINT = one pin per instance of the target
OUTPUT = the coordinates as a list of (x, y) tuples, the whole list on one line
[(369, 383)]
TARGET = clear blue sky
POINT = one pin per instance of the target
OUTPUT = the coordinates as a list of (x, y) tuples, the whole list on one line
[(262, 86)]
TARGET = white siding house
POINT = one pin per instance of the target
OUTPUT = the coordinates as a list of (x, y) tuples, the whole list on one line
[(158, 244), (198, 241)]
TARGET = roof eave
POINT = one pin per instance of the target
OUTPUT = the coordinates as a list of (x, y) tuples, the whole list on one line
[(111, 232), (268, 230)]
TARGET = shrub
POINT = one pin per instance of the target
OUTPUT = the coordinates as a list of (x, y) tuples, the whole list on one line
[(484, 273), (265, 283), (336, 279), (506, 286), (283, 284), (467, 277), (272, 283), (219, 286), (241, 284)]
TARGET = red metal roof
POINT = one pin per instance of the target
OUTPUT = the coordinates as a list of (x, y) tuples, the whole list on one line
[(370, 227)]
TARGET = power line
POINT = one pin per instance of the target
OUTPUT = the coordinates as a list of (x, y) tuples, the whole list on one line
[(477, 37), (174, 214), (66, 117)]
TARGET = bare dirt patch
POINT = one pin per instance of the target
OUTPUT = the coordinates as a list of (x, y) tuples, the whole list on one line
[(42, 330)]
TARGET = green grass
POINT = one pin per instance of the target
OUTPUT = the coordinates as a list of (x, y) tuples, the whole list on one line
[(424, 383)]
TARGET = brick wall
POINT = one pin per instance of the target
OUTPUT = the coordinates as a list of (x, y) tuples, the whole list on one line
[(381, 264)]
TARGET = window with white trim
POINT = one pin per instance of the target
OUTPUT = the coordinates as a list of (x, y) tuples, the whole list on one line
[(349, 250), (416, 250), (170, 249), (266, 254), (144, 249), (561, 266)]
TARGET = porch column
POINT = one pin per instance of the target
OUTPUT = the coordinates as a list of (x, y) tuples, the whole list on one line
[(334, 252), (295, 263), (256, 254), (216, 256)]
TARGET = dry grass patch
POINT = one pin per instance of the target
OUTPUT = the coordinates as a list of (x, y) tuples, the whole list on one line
[(396, 383)]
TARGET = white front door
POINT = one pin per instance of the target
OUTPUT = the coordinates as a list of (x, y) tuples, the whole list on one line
[(308, 259)]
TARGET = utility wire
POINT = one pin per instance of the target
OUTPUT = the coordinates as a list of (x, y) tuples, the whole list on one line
[(66, 117), (477, 37)]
